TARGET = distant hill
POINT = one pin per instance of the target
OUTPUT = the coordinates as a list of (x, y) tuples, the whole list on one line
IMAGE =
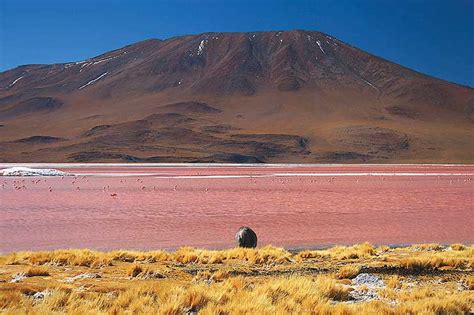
[(273, 97)]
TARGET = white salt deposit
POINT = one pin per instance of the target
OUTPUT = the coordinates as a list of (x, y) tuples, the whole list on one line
[(26, 171)]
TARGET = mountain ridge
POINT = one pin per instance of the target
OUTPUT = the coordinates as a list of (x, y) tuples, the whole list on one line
[(280, 96), (236, 32)]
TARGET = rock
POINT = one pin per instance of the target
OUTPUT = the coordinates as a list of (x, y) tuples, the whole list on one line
[(362, 296), (365, 287), (367, 279), (18, 277), (246, 237), (87, 275), (41, 295)]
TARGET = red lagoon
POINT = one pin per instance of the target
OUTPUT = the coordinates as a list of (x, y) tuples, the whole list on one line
[(162, 206)]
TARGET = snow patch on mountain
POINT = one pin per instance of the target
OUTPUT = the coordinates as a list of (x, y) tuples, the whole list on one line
[(105, 59), (93, 81), (201, 47), (320, 47), (15, 81), (369, 84)]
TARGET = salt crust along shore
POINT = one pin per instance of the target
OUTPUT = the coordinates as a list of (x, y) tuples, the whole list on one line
[(26, 171)]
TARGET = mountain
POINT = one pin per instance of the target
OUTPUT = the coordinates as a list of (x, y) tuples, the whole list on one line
[(274, 97)]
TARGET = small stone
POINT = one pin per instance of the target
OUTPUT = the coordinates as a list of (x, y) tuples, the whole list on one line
[(87, 275), (365, 287), (18, 277), (367, 279), (41, 295)]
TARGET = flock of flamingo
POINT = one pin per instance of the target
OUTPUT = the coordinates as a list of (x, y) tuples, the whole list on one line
[(20, 184)]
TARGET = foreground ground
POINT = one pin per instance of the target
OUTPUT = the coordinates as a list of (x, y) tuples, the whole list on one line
[(342, 280)]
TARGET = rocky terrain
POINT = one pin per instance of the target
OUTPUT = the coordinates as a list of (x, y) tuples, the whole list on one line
[(257, 97)]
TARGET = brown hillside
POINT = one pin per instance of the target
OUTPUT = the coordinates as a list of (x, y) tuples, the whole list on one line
[(274, 97)]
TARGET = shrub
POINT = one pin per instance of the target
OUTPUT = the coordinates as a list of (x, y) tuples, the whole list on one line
[(348, 272), (135, 270), (37, 272)]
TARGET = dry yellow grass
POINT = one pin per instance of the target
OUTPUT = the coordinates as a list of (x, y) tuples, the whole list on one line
[(451, 259), (348, 272), (458, 247), (469, 282), (422, 279), (135, 270), (37, 271), (341, 252)]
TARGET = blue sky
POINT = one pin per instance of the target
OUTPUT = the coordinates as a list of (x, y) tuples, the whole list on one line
[(434, 37)]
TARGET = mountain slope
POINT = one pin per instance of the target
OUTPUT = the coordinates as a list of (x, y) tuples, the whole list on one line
[(294, 96)]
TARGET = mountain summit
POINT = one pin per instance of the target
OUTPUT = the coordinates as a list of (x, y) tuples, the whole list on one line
[(277, 97)]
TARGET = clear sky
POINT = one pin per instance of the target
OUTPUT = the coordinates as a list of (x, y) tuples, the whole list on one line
[(431, 36)]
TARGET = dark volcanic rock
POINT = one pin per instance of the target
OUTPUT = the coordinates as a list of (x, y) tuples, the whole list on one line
[(337, 157), (246, 237), (93, 131), (402, 111), (32, 106), (469, 109), (191, 107), (217, 128), (288, 84), (102, 156), (231, 158), (372, 140), (39, 140)]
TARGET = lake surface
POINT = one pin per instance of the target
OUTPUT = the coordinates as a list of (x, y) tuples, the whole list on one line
[(157, 206)]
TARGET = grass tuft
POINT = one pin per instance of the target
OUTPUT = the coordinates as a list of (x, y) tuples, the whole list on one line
[(37, 272), (348, 272), (135, 270)]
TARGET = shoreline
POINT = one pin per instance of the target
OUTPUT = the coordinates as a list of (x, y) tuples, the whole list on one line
[(237, 165), (290, 249), (204, 165)]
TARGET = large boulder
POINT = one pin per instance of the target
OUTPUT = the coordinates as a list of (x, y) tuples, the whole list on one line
[(246, 237)]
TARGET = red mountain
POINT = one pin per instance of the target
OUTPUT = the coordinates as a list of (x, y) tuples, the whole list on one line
[(293, 96)]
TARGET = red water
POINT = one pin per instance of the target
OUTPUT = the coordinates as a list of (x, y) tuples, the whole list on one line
[(168, 207)]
